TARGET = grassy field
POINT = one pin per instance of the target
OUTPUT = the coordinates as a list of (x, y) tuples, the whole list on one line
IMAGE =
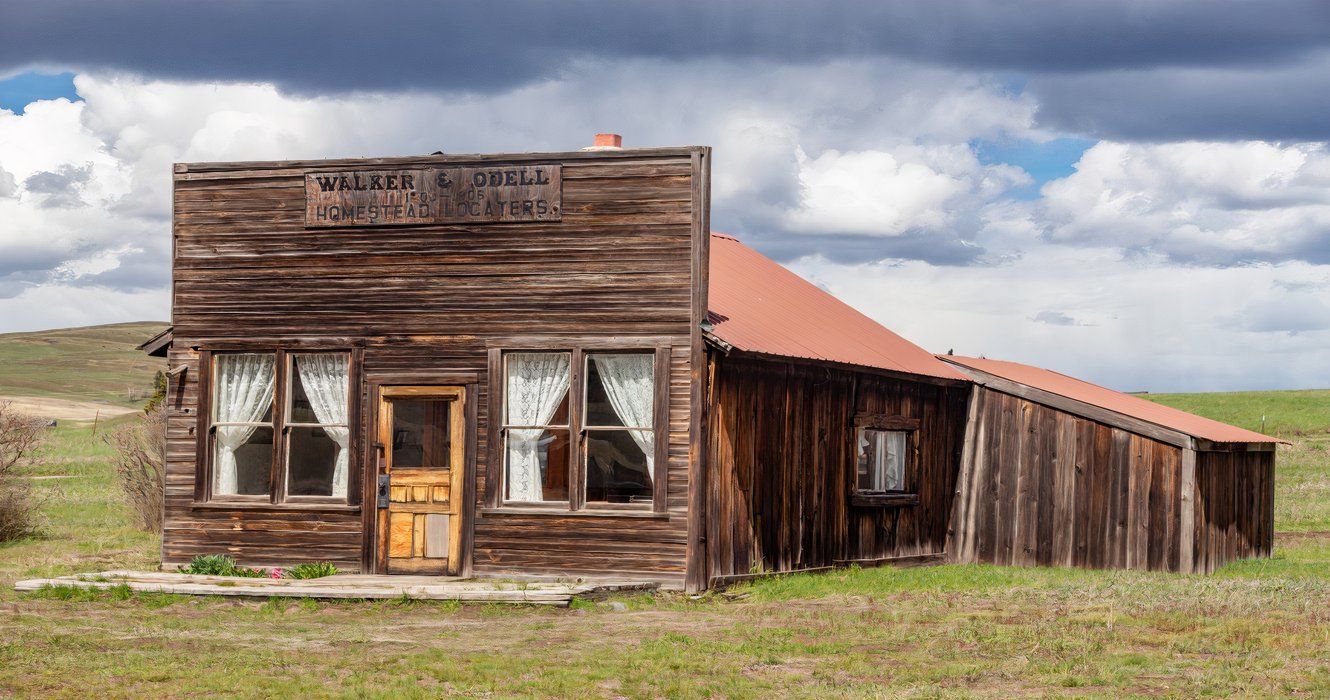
[(1256, 628), (96, 363)]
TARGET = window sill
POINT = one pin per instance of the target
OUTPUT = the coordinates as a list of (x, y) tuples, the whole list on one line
[(884, 500), (584, 513), (294, 507)]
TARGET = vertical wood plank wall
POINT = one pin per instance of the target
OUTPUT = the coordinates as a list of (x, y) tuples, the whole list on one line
[(1042, 487), (429, 301), (1235, 506), (781, 451)]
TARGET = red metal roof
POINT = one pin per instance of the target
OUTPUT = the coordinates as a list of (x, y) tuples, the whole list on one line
[(1116, 401), (758, 306)]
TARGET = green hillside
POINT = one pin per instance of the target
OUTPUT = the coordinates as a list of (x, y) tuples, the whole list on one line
[(95, 363), (1286, 412)]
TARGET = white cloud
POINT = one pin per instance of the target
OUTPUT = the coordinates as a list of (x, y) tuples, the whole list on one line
[(1139, 323), (1218, 203), (882, 193)]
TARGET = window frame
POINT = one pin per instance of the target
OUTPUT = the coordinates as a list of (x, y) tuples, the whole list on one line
[(496, 481), (276, 497), (908, 494)]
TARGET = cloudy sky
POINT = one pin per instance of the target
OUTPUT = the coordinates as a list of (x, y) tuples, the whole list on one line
[(1137, 193)]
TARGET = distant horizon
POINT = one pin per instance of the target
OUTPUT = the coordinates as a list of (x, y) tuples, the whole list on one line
[(1012, 359)]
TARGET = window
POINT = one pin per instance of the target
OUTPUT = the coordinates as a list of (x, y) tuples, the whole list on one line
[(242, 424), (880, 467), (318, 445), (580, 428), (884, 447), (283, 410)]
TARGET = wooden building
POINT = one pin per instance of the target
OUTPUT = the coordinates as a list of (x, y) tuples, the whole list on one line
[(1061, 472), (537, 365), (507, 365)]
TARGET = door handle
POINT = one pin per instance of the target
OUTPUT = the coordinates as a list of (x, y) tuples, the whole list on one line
[(385, 484)]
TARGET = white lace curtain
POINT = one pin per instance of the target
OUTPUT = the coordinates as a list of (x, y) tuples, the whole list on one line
[(629, 382), (324, 377), (889, 454), (536, 384), (243, 394)]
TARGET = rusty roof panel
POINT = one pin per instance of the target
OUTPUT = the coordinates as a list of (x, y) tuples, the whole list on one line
[(1116, 401), (759, 306)]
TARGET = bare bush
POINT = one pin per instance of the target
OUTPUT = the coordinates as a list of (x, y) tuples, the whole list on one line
[(140, 465), (20, 437)]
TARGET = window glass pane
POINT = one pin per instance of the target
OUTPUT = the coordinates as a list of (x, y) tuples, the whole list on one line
[(537, 465), (535, 387), (242, 460), (312, 462), (242, 388), (420, 433), (864, 461), (880, 460), (894, 477), (620, 389), (619, 466), (319, 388)]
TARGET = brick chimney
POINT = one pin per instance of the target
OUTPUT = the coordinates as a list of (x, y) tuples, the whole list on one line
[(606, 142)]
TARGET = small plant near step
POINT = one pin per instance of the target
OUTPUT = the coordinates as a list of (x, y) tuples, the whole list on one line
[(219, 565), (312, 570)]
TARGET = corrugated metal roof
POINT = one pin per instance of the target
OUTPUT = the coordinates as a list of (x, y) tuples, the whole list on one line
[(1116, 401), (758, 306)]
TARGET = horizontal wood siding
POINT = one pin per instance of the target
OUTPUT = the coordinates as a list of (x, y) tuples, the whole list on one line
[(428, 302), (781, 452), (1235, 496), (1042, 487)]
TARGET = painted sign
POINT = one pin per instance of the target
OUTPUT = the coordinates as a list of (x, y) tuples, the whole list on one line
[(493, 194)]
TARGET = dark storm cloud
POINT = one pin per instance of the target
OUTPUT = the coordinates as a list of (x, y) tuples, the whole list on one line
[(61, 187), (1276, 103), (402, 44)]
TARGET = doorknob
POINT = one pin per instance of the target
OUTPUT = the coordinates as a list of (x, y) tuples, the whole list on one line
[(385, 482)]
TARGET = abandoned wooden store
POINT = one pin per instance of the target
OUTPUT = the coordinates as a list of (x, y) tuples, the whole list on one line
[(546, 364)]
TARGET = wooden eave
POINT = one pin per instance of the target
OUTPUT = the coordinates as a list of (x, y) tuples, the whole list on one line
[(159, 344)]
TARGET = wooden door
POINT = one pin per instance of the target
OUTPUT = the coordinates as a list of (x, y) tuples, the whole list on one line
[(421, 448)]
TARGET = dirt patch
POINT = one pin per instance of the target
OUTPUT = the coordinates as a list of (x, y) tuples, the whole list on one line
[(65, 409)]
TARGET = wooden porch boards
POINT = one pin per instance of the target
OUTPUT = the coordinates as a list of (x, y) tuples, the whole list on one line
[(346, 587)]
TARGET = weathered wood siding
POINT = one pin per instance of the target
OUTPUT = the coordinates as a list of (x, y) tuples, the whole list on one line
[(1043, 487), (427, 303), (1235, 503), (781, 453)]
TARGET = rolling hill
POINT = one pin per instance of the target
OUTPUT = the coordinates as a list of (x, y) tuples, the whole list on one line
[(95, 363)]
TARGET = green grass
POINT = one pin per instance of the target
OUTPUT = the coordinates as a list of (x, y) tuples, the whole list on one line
[(96, 363), (1255, 628), (1285, 413)]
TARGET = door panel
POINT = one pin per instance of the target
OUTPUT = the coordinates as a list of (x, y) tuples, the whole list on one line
[(420, 446)]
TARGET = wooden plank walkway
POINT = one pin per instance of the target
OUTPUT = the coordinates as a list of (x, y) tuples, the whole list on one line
[(346, 586)]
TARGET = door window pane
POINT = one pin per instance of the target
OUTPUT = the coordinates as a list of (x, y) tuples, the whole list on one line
[(420, 434), (619, 466), (537, 465)]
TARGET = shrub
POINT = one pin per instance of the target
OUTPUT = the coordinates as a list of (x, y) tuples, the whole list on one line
[(219, 565), (314, 570), (20, 437), (140, 465)]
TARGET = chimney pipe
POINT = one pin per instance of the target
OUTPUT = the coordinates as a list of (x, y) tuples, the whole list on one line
[(606, 142)]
